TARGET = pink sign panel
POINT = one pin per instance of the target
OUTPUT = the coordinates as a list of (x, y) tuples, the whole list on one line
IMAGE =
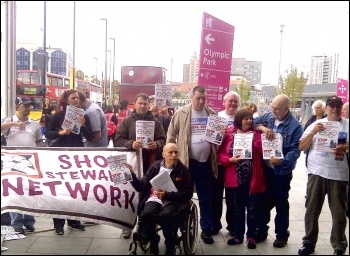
[(343, 90), (215, 59)]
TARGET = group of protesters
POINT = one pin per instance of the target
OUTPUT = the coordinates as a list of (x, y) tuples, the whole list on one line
[(252, 187)]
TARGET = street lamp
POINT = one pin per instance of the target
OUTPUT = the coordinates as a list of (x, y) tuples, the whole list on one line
[(109, 76), (113, 55), (105, 78), (96, 70), (279, 65)]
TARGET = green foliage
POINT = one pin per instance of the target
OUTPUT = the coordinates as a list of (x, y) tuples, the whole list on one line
[(244, 92), (293, 85)]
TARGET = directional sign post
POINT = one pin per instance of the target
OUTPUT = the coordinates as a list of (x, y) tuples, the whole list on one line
[(215, 59), (343, 90)]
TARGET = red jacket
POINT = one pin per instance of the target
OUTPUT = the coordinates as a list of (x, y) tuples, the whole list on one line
[(257, 183)]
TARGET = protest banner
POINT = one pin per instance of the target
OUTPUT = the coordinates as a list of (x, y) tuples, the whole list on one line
[(74, 183), (272, 148), (163, 95), (327, 139), (243, 146), (145, 132)]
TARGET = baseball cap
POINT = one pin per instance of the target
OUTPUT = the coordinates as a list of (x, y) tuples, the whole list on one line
[(334, 99), (23, 100)]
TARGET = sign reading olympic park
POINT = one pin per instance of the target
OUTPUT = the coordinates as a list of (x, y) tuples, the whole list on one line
[(343, 90), (76, 184), (215, 59)]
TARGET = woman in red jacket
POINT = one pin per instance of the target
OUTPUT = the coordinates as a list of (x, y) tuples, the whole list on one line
[(244, 178)]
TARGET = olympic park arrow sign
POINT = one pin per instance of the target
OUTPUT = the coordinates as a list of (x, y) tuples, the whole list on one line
[(215, 59)]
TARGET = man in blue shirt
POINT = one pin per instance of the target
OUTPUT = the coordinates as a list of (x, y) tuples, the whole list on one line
[(278, 172)]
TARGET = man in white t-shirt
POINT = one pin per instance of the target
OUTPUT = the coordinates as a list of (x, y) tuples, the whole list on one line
[(22, 131), (231, 104), (328, 174), (187, 130)]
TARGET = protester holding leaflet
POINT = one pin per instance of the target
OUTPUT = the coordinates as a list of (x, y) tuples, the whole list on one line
[(162, 206), (244, 177)]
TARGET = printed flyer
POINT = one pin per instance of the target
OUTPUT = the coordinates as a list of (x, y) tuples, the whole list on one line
[(327, 139), (145, 132), (71, 119), (243, 145), (213, 129), (272, 148), (120, 172), (163, 95)]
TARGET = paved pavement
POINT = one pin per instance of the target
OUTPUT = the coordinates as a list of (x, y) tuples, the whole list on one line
[(103, 239)]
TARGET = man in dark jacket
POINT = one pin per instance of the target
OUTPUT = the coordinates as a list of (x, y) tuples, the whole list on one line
[(125, 136), (162, 206)]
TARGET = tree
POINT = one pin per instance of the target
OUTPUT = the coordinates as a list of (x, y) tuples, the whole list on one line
[(244, 92), (293, 85)]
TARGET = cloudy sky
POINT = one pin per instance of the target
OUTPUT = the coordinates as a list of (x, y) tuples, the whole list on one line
[(154, 33)]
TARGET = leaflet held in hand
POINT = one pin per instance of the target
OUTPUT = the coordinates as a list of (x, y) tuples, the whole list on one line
[(163, 181), (327, 139), (243, 145), (71, 119), (213, 129), (145, 132), (120, 172), (272, 148)]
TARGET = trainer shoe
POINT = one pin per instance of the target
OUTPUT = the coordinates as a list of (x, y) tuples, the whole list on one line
[(339, 251), (30, 228), (77, 226), (207, 238), (280, 242), (19, 230), (251, 243), (59, 231), (307, 249), (234, 240)]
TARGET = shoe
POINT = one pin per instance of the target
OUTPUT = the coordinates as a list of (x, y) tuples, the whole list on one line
[(30, 228), (280, 242), (234, 241), (126, 234), (170, 250), (339, 252), (77, 226), (153, 248), (260, 237), (251, 243), (307, 249), (207, 238), (59, 231), (19, 230)]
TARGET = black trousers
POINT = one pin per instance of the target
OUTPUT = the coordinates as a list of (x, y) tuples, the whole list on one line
[(60, 222), (216, 198), (166, 216)]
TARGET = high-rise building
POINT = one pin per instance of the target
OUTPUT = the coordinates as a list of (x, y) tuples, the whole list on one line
[(251, 70), (194, 67), (31, 57), (323, 69), (186, 73)]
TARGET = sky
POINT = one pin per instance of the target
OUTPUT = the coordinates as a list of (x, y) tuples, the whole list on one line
[(166, 34)]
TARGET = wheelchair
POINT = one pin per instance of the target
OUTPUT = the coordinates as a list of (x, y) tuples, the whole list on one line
[(188, 229)]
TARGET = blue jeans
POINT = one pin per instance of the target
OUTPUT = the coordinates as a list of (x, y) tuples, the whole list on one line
[(20, 220), (201, 174)]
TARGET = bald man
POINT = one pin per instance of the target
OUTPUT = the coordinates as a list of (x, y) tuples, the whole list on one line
[(278, 172), (161, 207)]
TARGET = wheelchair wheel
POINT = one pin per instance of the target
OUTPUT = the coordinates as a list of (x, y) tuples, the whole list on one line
[(191, 231)]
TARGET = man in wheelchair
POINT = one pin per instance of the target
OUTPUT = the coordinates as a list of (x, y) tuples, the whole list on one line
[(160, 206)]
